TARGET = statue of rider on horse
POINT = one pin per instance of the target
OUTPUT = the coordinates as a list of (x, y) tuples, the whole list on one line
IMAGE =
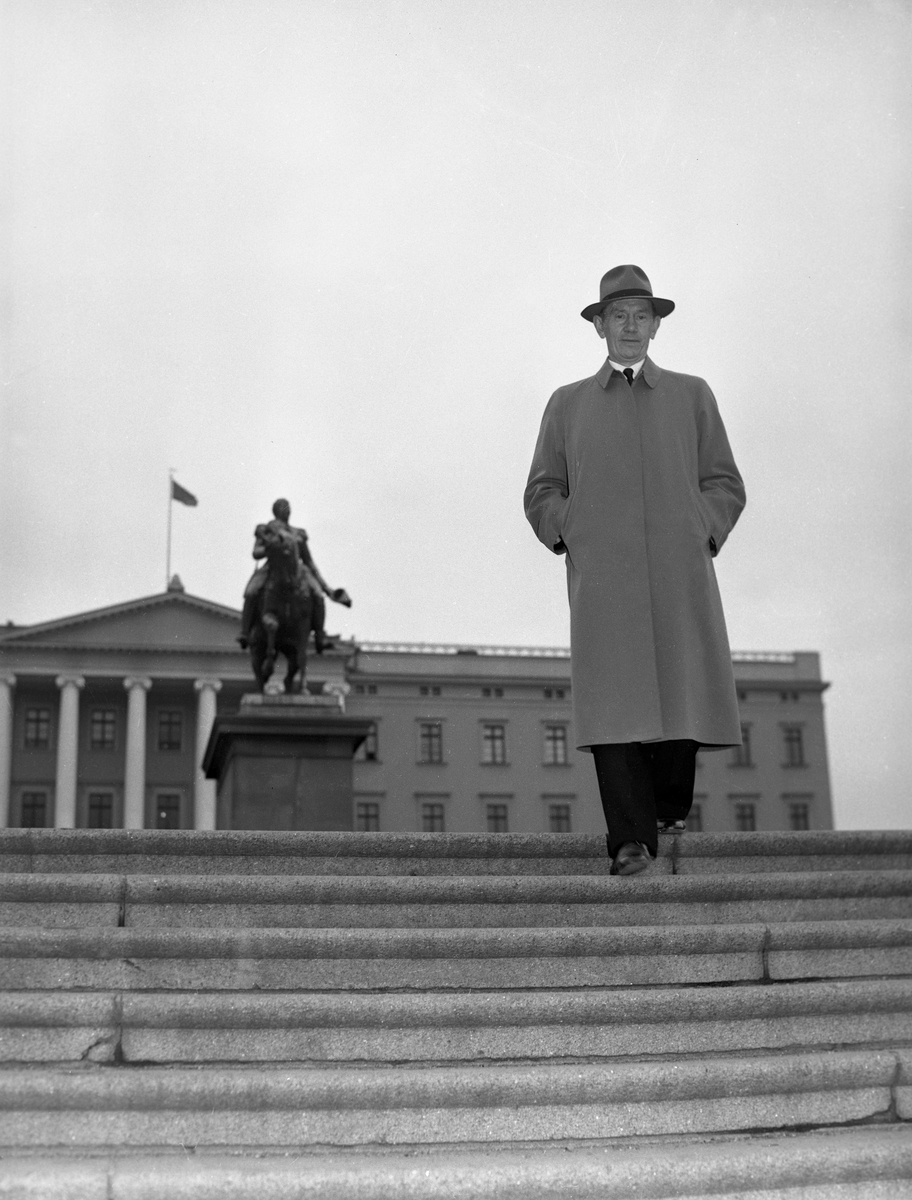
[(283, 602)]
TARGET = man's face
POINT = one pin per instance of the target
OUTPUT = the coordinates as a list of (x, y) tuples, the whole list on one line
[(628, 326), (283, 512)]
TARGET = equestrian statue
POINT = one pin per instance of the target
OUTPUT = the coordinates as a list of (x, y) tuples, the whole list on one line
[(283, 601)]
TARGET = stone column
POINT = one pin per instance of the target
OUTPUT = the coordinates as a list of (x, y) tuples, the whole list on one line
[(204, 789), (135, 773), (67, 750), (7, 683)]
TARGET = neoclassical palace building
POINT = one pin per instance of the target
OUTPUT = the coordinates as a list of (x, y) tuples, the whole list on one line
[(104, 717)]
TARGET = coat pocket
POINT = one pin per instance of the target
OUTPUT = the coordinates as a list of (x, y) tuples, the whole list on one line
[(703, 516)]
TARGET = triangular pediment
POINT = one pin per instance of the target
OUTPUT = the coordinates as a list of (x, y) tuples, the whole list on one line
[(171, 620)]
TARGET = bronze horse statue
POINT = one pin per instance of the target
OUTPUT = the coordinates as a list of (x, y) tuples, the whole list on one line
[(283, 601), (287, 609)]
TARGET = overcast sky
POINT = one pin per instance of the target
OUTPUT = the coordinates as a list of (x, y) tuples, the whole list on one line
[(337, 252)]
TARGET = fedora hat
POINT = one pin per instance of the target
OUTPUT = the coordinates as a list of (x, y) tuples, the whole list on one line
[(624, 283)]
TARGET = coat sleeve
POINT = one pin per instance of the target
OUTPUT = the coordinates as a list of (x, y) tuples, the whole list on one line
[(721, 485), (545, 498)]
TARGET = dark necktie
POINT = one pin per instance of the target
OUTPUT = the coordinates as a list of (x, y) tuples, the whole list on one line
[(628, 375)]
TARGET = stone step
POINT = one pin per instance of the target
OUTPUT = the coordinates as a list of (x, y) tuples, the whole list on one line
[(164, 852), (294, 1106), (355, 959), (74, 900), (871, 1163), (163, 1027), (217, 998)]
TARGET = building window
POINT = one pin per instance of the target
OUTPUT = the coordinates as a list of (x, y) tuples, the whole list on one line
[(694, 819), (494, 744), (430, 742), (367, 816), (34, 810), (555, 745), (741, 757), (101, 734), (745, 816), (101, 810), (432, 818), (787, 697), (37, 728), (554, 693), (488, 692), (368, 751), (429, 691), (167, 810), (559, 818), (170, 736), (793, 736), (799, 814), (497, 818)]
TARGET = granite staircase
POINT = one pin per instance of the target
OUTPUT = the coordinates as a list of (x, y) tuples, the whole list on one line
[(265, 1015)]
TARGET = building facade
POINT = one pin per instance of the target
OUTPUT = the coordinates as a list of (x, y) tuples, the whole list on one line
[(104, 717)]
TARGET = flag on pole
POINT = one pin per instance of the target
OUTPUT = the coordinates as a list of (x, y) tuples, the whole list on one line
[(181, 494)]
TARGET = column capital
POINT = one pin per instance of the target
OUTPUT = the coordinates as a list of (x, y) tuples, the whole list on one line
[(208, 682), (137, 681), (8, 678), (77, 681)]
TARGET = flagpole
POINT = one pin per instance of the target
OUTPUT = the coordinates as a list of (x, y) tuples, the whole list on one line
[(170, 506)]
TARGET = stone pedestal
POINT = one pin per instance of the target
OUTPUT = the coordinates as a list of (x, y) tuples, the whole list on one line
[(284, 762)]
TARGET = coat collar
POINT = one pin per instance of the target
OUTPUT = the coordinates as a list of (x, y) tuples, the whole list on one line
[(650, 373)]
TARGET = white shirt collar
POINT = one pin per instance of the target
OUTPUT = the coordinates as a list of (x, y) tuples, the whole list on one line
[(635, 367)]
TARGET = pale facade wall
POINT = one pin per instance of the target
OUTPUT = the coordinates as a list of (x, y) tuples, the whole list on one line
[(775, 692), (400, 688), (463, 782)]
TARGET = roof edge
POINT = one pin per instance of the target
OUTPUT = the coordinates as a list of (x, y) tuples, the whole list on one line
[(158, 599)]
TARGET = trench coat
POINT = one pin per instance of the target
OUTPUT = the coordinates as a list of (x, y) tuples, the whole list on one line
[(638, 487)]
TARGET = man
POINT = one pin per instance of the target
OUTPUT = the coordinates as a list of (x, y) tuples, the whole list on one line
[(633, 480), (309, 578)]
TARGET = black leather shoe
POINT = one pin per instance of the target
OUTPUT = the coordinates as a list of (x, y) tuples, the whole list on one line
[(630, 859)]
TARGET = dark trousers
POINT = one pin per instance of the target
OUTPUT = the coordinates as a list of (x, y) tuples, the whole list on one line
[(641, 783)]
